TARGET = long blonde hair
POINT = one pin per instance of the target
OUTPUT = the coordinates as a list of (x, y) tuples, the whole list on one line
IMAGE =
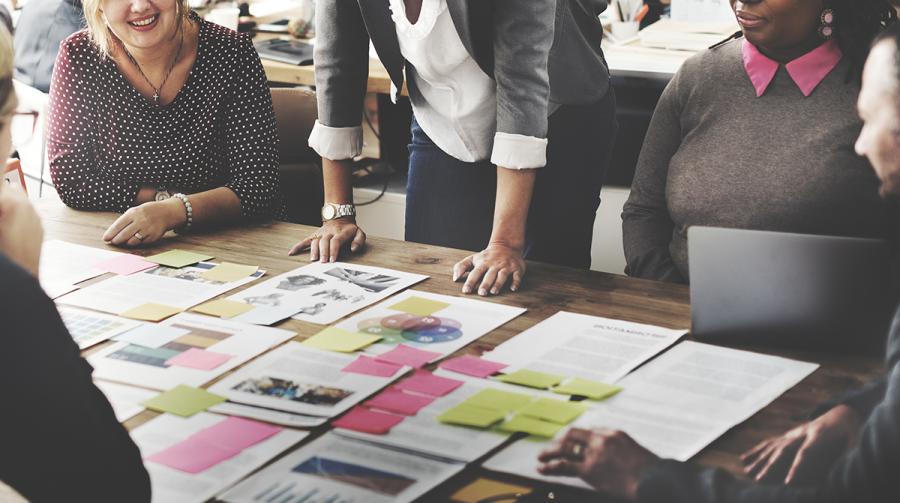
[(7, 94), (98, 31)]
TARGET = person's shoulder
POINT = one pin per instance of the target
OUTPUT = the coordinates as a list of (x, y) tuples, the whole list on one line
[(78, 46), (221, 40), (15, 281), (714, 59)]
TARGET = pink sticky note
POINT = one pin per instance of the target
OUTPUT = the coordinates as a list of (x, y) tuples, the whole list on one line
[(125, 264), (199, 359), (372, 367), (368, 421), (429, 384), (236, 433), (398, 402), (192, 456), (473, 366), (407, 355)]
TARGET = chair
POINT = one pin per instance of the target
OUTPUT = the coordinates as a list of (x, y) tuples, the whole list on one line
[(12, 174), (32, 145), (300, 167)]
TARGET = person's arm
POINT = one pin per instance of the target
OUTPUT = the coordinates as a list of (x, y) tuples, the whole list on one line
[(61, 440), (74, 163), (341, 58), (646, 224), (523, 36)]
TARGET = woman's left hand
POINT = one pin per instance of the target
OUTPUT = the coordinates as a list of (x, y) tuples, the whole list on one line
[(146, 223), (610, 461), (494, 267)]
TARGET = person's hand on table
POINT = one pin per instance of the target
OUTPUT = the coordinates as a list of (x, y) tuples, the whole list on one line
[(491, 269), (806, 452), (610, 461), (21, 232), (325, 244), (146, 223)]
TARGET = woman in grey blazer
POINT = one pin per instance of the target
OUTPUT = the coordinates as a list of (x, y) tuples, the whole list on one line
[(499, 89)]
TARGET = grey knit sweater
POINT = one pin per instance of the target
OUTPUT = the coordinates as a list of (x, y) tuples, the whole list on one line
[(718, 155)]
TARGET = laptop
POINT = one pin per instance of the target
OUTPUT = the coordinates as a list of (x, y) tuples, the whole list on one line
[(794, 290)]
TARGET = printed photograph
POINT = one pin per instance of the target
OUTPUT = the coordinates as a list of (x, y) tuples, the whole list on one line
[(274, 387), (387, 483), (339, 296), (299, 282), (186, 274), (272, 299), (312, 310), (368, 281)]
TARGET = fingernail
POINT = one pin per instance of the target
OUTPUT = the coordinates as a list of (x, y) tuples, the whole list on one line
[(455, 277), (513, 288), (482, 292), (467, 289), (494, 291)]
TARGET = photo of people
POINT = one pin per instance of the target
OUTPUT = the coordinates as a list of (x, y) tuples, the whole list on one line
[(313, 310), (368, 281), (274, 387), (338, 296), (299, 282), (187, 274)]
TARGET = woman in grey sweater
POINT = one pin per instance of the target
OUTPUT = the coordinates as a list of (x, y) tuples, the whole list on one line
[(758, 134)]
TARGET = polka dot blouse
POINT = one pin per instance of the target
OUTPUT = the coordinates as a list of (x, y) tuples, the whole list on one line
[(105, 140)]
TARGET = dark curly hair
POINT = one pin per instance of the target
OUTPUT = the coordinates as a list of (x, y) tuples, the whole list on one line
[(856, 24)]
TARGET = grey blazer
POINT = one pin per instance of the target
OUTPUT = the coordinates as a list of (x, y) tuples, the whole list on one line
[(537, 51)]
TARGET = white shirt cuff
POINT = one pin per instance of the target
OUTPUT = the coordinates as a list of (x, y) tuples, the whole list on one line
[(336, 143), (515, 151)]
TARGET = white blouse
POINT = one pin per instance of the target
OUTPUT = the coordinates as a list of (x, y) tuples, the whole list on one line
[(454, 101)]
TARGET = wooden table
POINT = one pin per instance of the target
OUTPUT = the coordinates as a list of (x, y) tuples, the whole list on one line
[(548, 289)]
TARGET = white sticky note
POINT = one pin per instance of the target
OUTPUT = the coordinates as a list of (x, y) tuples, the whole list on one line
[(152, 336)]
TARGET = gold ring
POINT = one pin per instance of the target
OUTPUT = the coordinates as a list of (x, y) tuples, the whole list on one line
[(138, 236), (578, 450)]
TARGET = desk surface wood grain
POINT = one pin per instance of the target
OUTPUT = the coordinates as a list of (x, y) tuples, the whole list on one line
[(547, 289)]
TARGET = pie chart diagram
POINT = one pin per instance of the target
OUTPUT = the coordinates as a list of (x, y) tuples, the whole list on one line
[(405, 327)]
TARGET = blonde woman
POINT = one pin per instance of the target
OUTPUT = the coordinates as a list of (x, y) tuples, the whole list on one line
[(60, 437), (163, 116)]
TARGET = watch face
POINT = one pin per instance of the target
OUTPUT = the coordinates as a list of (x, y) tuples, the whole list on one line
[(328, 212), (162, 195)]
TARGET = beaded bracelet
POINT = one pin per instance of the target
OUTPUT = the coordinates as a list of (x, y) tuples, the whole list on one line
[(188, 209)]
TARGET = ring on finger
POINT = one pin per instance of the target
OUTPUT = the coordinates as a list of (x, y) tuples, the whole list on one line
[(138, 236), (577, 451)]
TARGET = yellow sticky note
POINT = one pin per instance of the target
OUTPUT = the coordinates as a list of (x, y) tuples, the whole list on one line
[(419, 306), (183, 400), (178, 258), (483, 489), (335, 339), (503, 401), (151, 312), (223, 307), (556, 411), (466, 414), (594, 390), (525, 424), (531, 378), (226, 272)]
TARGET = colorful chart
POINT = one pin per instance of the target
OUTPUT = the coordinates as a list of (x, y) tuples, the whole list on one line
[(405, 327)]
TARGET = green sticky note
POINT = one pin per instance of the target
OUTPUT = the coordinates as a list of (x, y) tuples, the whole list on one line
[(178, 258), (419, 306), (531, 426), (556, 411), (594, 390), (226, 272), (183, 400), (503, 401), (344, 341), (469, 415), (531, 378)]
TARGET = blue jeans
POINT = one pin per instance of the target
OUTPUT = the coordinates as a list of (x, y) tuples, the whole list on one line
[(451, 203)]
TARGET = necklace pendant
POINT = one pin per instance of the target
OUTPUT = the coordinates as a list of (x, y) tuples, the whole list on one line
[(156, 98)]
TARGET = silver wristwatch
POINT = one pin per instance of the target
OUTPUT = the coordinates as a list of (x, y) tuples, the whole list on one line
[(332, 211), (162, 194)]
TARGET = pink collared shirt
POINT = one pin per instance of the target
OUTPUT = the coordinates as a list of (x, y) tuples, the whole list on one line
[(807, 71)]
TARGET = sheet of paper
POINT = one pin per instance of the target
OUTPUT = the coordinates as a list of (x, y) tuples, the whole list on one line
[(335, 339), (152, 335), (426, 383), (577, 345), (302, 380), (223, 308), (201, 359), (125, 264), (88, 328), (183, 400), (531, 378), (482, 489), (192, 456), (334, 468), (227, 272), (268, 415), (178, 258), (65, 264), (324, 293), (472, 366), (182, 288), (679, 403), (368, 421), (146, 367), (125, 400), (237, 433), (444, 331), (367, 365), (398, 402), (410, 356), (170, 485)]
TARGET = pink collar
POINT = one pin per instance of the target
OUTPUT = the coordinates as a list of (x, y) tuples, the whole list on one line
[(807, 71)]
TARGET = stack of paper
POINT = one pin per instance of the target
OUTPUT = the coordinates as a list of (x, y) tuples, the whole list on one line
[(685, 36)]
